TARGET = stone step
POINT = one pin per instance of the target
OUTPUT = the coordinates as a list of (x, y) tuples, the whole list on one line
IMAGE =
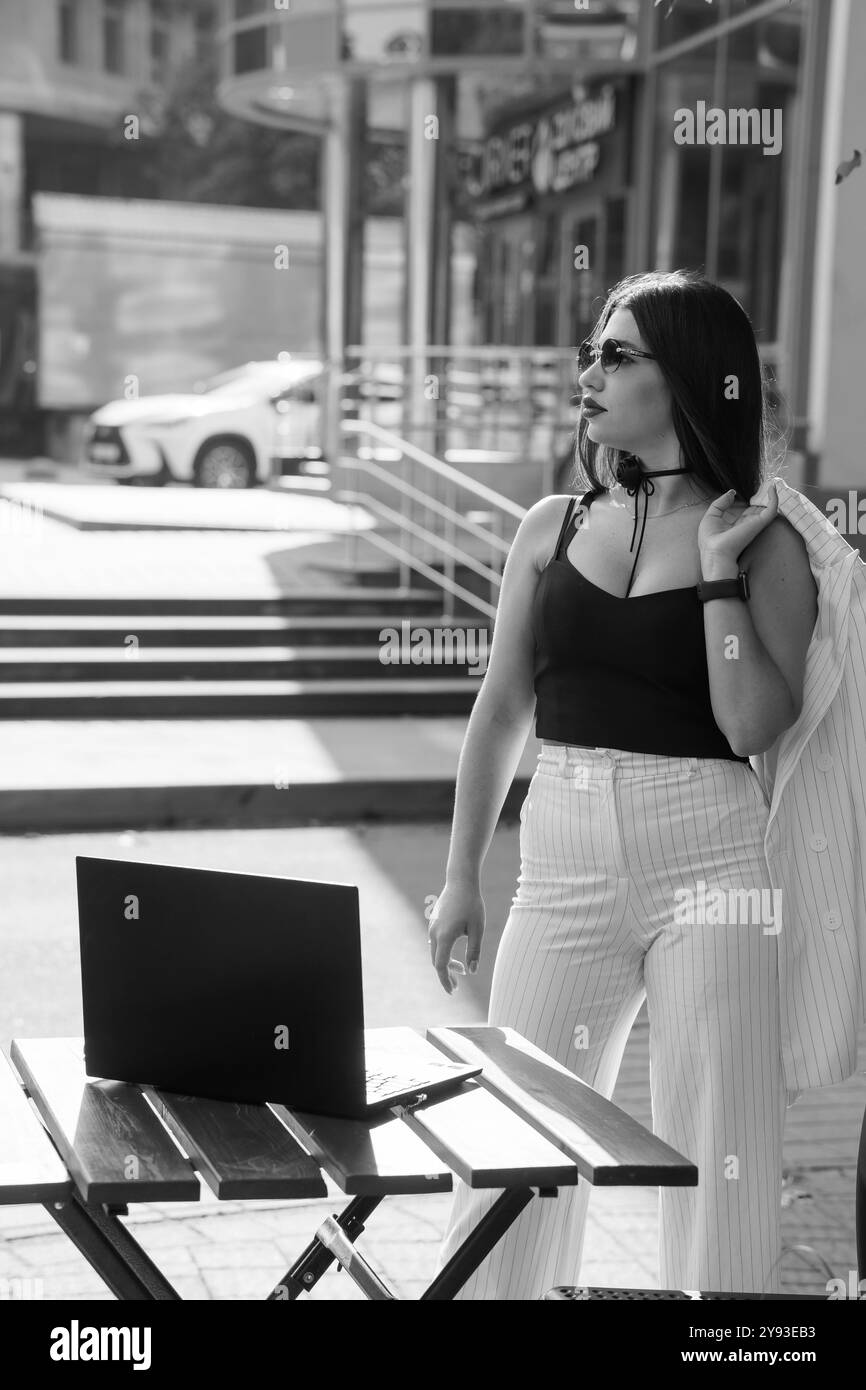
[(144, 664), (161, 699), (106, 630), (338, 602)]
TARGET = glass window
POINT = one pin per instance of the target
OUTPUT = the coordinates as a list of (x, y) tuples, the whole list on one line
[(486, 281), (586, 279), (160, 32), (750, 216), (246, 9), (384, 34), (68, 31), (487, 32), (112, 35), (204, 25), (511, 292), (681, 186), (546, 280), (682, 19), (606, 30), (250, 50), (748, 167), (614, 240)]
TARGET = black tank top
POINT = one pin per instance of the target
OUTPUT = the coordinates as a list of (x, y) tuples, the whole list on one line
[(621, 672)]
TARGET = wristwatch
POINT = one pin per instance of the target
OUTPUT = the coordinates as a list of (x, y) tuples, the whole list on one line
[(724, 588)]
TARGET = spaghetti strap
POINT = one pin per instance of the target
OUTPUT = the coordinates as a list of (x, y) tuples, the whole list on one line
[(566, 520), (564, 527)]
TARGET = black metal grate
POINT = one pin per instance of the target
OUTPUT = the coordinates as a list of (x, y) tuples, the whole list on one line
[(633, 1295)]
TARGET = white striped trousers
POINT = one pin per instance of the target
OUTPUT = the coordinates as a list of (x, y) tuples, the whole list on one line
[(612, 843)]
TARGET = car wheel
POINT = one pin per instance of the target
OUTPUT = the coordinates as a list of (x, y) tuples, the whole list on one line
[(224, 464)]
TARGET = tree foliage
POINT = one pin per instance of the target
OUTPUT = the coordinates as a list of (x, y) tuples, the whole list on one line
[(192, 150)]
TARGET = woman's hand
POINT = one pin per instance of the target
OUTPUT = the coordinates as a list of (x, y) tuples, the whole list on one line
[(458, 911), (727, 527)]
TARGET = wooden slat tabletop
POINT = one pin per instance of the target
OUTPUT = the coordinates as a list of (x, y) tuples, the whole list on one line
[(112, 1143), (30, 1169), (608, 1146), (241, 1150), (487, 1144), (378, 1157)]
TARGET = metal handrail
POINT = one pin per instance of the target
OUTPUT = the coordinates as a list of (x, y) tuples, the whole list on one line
[(452, 552), (433, 504), (428, 501), (423, 534), (441, 579), (444, 470)]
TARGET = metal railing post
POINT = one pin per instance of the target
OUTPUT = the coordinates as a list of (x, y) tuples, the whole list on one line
[(450, 536), (405, 514)]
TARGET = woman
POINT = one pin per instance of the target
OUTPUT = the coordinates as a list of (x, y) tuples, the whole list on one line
[(650, 694)]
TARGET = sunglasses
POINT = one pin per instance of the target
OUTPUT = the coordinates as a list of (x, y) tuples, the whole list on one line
[(611, 354)]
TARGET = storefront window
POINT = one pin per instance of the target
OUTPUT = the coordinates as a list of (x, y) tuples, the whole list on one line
[(604, 31), (750, 230), (614, 241), (586, 282), (546, 280), (682, 19), (462, 29), (723, 133), (681, 187)]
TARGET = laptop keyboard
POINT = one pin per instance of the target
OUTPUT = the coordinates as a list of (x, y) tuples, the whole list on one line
[(383, 1082)]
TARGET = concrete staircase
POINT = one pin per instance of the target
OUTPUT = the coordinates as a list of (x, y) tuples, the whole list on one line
[(301, 655)]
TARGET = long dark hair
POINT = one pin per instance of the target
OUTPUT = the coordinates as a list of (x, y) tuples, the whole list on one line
[(703, 339)]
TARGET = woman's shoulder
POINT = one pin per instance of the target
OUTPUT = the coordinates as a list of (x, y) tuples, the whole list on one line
[(541, 525), (552, 510), (547, 509)]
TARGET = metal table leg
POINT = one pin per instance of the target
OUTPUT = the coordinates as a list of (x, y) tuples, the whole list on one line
[(109, 1248), (319, 1256), (478, 1244)]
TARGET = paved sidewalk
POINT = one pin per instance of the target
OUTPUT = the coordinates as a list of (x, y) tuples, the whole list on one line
[(44, 557), (62, 775), (79, 753)]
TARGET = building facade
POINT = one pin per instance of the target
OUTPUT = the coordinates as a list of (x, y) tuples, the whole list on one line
[(70, 73), (710, 156), (597, 138)]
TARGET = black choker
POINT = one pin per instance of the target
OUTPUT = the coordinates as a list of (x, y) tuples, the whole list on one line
[(629, 473)]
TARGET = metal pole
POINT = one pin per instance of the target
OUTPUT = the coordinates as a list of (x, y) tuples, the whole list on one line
[(335, 213)]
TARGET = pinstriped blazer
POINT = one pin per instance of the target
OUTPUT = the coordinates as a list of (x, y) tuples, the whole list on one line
[(813, 779)]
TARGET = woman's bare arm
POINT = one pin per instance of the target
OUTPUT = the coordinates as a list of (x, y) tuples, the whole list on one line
[(502, 714)]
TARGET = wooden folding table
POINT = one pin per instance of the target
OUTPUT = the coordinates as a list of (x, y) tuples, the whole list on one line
[(527, 1126)]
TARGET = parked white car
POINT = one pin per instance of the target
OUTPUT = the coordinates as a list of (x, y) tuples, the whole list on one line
[(237, 429)]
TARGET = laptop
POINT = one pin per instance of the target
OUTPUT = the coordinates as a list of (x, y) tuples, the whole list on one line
[(236, 986)]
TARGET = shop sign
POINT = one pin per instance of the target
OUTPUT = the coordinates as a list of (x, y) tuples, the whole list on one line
[(550, 152)]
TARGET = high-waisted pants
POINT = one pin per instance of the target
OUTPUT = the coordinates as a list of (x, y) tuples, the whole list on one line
[(619, 852)]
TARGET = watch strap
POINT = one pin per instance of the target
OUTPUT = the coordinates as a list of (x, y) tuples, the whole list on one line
[(724, 588)]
